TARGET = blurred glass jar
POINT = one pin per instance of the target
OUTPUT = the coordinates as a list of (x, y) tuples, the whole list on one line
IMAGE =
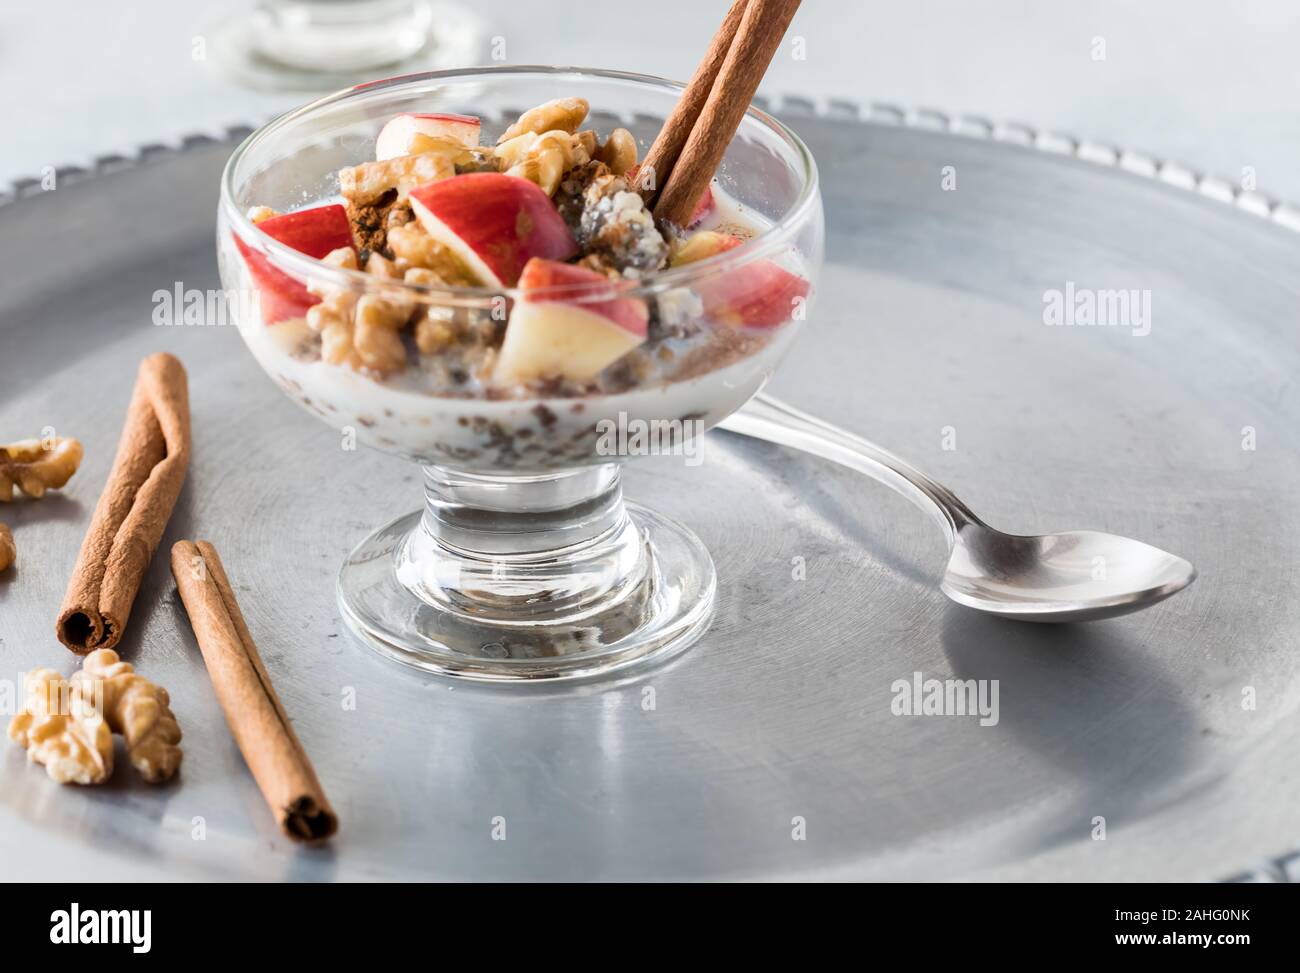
[(340, 35)]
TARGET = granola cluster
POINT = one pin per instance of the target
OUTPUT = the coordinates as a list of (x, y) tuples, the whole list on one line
[(610, 222), (374, 333)]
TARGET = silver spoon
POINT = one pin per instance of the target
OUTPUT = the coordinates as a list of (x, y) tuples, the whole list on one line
[(1075, 576)]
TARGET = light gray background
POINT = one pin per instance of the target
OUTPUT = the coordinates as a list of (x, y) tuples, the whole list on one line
[(1208, 84)]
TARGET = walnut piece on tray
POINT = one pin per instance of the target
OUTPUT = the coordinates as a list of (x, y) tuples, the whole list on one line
[(67, 725), (37, 465), (138, 709), (62, 729)]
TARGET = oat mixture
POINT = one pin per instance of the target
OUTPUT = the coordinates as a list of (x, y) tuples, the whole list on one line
[(603, 233)]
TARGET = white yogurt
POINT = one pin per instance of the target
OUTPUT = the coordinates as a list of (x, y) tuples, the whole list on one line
[(480, 435)]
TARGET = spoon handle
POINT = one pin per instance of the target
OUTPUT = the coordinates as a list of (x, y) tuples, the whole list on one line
[(765, 417)]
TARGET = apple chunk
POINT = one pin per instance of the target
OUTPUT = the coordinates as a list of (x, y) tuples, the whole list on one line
[(493, 223), (568, 322), (704, 207), (697, 246), (760, 294), (396, 136), (315, 232)]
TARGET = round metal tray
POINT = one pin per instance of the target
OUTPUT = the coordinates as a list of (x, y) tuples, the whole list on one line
[(769, 750)]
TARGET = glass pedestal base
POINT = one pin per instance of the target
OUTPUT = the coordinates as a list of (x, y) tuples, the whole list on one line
[(550, 578)]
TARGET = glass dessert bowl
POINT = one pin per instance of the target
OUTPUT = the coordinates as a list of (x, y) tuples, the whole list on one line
[(480, 289)]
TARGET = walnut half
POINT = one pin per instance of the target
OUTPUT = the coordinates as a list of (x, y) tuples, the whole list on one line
[(138, 709), (8, 552), (61, 728), (618, 152), (565, 114), (68, 724), (542, 158), (37, 465)]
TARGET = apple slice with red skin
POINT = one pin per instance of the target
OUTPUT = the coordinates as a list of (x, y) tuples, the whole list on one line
[(395, 137), (493, 223), (315, 232), (569, 322), (758, 294), (704, 207)]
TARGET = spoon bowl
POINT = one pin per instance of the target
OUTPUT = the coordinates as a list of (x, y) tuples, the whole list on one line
[(1077, 575)]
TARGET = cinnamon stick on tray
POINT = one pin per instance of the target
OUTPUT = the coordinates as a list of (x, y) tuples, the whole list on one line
[(253, 711), (132, 512), (762, 26)]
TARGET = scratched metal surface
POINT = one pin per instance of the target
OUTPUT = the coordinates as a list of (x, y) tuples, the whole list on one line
[(930, 317)]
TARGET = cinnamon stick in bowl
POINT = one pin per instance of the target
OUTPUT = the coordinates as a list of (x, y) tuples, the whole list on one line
[(254, 713), (762, 26), (131, 516), (667, 147)]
